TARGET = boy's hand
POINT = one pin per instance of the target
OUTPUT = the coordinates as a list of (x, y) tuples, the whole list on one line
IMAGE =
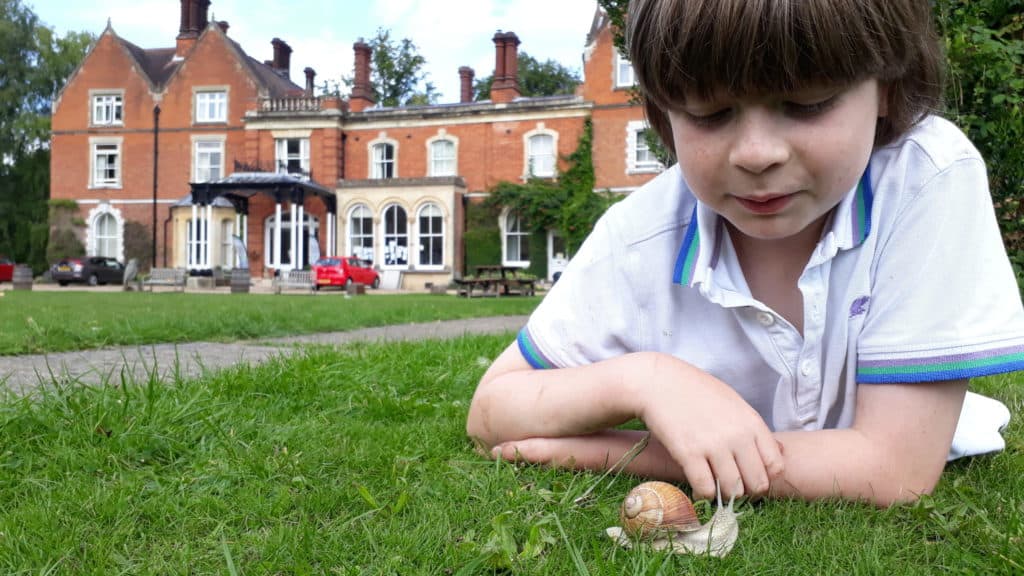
[(708, 429)]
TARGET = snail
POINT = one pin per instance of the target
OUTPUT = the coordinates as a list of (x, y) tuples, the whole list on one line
[(661, 514)]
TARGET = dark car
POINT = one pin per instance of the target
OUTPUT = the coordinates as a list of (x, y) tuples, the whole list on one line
[(91, 270), (6, 269), (343, 271)]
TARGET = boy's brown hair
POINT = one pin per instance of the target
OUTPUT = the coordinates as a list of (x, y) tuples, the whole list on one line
[(742, 47)]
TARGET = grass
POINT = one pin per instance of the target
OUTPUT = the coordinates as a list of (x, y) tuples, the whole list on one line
[(354, 461), (35, 322)]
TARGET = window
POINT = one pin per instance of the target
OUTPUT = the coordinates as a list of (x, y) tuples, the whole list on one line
[(227, 244), (541, 156), (107, 110), (639, 156), (383, 161), (106, 164), (211, 106), (517, 241), (623, 72), (293, 156), (195, 245), (360, 233), (209, 161), (106, 236), (431, 236), (396, 236), (442, 158)]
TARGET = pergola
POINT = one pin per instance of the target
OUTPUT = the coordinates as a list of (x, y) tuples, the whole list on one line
[(238, 188)]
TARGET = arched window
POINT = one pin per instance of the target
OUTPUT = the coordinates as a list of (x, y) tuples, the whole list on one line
[(107, 238), (540, 156), (383, 161), (442, 158), (360, 233), (517, 241), (396, 237), (430, 233)]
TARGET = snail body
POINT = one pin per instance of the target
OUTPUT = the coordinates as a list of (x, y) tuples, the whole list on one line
[(670, 527)]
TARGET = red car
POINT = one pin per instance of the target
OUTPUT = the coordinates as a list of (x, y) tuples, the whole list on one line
[(6, 269), (344, 271)]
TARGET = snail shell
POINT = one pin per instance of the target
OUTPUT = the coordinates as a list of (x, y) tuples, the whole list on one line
[(657, 507)]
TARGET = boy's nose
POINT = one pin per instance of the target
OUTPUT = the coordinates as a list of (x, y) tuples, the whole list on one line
[(758, 145)]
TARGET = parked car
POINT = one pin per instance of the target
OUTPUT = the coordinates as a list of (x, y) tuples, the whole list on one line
[(91, 270), (6, 269), (343, 271)]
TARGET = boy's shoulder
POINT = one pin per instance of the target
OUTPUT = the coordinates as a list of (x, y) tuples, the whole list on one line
[(663, 205), (933, 144)]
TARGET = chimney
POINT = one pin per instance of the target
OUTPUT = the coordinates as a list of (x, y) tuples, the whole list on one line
[(282, 57), (465, 84), (505, 87), (310, 75), (187, 30), (223, 26), (202, 18), (362, 94)]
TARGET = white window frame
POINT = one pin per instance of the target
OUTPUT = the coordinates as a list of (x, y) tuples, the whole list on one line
[(426, 238), (624, 75), (227, 243), (108, 147), (283, 157), (509, 228), (357, 238), (400, 218), (94, 238), (195, 245), (529, 155), (376, 170), (635, 146), (211, 105), (106, 107), (436, 166), (204, 148)]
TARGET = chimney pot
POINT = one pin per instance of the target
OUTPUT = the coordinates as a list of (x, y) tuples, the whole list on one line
[(224, 26), (466, 84), (362, 93), (282, 57), (310, 76), (505, 86)]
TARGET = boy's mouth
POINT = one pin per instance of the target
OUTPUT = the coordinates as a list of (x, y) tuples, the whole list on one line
[(765, 205)]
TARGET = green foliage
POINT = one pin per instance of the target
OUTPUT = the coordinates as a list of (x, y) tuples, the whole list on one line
[(985, 97), (568, 204), (482, 238), (396, 73), (138, 244), (64, 241), (536, 78)]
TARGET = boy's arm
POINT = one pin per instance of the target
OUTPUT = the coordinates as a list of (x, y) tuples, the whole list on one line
[(704, 427), (895, 450)]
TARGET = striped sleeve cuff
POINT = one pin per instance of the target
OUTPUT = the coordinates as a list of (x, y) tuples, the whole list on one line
[(531, 352), (910, 369)]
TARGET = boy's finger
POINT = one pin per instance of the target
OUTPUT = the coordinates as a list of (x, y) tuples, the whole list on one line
[(728, 474), (771, 455), (752, 469), (699, 477)]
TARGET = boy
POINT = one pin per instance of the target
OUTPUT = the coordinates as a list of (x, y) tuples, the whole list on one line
[(796, 307)]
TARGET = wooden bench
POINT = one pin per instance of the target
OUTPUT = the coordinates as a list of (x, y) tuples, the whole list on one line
[(294, 280), (173, 277)]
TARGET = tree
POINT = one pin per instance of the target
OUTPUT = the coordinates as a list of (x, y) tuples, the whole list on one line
[(536, 78), (34, 64), (396, 74)]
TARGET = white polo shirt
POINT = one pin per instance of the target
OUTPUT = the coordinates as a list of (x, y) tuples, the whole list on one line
[(910, 282)]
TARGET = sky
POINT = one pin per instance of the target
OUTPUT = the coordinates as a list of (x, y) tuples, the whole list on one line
[(448, 33)]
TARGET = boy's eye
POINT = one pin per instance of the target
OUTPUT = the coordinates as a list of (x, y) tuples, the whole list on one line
[(707, 120), (809, 109)]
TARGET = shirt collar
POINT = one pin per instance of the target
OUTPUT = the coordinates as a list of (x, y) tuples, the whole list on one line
[(851, 225)]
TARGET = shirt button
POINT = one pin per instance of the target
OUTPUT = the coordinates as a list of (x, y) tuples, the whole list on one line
[(806, 367), (765, 319)]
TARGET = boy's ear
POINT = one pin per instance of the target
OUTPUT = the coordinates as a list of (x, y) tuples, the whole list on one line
[(883, 99)]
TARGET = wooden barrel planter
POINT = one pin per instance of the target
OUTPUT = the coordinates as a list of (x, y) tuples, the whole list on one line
[(22, 278), (240, 280)]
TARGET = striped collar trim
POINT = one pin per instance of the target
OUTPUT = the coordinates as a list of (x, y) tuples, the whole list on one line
[(852, 223)]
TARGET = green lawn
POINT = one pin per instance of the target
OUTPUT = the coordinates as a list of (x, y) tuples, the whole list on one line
[(355, 461), (34, 322)]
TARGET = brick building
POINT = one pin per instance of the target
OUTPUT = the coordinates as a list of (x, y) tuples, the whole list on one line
[(203, 143)]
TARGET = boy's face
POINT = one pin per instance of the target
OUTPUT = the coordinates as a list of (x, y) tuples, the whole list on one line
[(775, 165)]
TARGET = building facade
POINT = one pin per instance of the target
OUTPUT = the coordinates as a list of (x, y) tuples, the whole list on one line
[(217, 159)]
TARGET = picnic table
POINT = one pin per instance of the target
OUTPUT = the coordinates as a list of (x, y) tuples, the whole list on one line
[(496, 280)]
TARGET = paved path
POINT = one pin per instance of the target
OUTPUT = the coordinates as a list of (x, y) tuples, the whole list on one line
[(23, 374)]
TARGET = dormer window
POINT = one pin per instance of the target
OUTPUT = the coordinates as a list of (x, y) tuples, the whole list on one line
[(107, 109), (623, 72)]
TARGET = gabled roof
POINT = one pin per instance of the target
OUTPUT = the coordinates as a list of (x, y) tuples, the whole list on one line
[(158, 64)]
